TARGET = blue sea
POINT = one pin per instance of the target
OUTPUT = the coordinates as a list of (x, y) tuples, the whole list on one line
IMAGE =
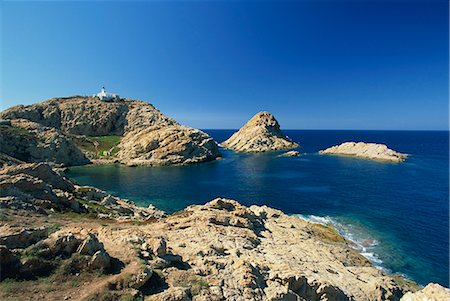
[(398, 213)]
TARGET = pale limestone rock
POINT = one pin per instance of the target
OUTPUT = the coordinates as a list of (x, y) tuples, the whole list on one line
[(141, 277), (163, 145), (149, 137), (290, 154), (260, 134), (159, 246), (32, 142), (259, 253), (371, 151), (39, 187), (432, 292), (100, 260), (90, 245)]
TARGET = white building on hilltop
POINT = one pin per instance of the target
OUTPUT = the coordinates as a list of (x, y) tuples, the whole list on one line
[(105, 96)]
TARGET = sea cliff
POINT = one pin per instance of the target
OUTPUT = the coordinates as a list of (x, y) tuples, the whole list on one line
[(130, 132)]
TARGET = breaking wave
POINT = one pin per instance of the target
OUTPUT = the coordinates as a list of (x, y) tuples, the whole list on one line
[(363, 241)]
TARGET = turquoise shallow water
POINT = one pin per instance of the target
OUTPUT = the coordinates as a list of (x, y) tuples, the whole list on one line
[(398, 213)]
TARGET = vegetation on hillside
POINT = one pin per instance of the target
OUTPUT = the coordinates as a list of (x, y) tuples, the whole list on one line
[(98, 147)]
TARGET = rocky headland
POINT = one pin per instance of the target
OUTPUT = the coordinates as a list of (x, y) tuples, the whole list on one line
[(62, 241), (373, 151), (261, 133), (76, 130)]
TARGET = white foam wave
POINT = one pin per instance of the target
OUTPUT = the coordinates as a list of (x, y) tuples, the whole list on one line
[(363, 242)]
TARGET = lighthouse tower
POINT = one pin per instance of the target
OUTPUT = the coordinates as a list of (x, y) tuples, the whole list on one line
[(105, 96)]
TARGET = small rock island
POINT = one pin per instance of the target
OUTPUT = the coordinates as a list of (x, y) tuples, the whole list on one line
[(373, 151), (261, 133), (290, 154)]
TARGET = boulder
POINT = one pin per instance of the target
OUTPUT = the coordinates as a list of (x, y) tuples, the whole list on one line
[(65, 245), (90, 245), (100, 261), (141, 278), (159, 246)]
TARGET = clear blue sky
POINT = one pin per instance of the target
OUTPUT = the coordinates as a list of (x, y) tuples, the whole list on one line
[(313, 64)]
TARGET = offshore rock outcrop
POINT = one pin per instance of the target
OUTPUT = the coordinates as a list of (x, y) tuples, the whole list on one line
[(373, 151), (83, 119), (261, 133)]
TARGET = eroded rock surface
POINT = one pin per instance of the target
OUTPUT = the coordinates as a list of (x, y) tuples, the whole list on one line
[(373, 151), (432, 292), (29, 141), (162, 145), (39, 188), (259, 253), (75, 123), (89, 116), (261, 133)]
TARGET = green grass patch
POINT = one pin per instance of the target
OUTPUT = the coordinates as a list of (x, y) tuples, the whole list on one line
[(194, 282), (101, 146), (53, 228), (97, 208), (106, 146), (328, 233)]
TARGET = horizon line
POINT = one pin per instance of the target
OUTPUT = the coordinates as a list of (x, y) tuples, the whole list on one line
[(386, 130)]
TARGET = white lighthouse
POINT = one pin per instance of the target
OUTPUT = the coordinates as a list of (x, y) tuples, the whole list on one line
[(105, 96)]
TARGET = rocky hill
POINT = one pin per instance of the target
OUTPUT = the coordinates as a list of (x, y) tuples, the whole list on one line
[(108, 131), (261, 133), (61, 241), (29, 141), (373, 151)]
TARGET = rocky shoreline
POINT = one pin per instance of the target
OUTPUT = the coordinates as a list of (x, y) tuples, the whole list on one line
[(78, 130), (77, 235), (63, 241)]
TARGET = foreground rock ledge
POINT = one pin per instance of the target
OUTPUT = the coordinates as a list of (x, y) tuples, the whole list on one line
[(79, 243), (373, 151), (262, 133)]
